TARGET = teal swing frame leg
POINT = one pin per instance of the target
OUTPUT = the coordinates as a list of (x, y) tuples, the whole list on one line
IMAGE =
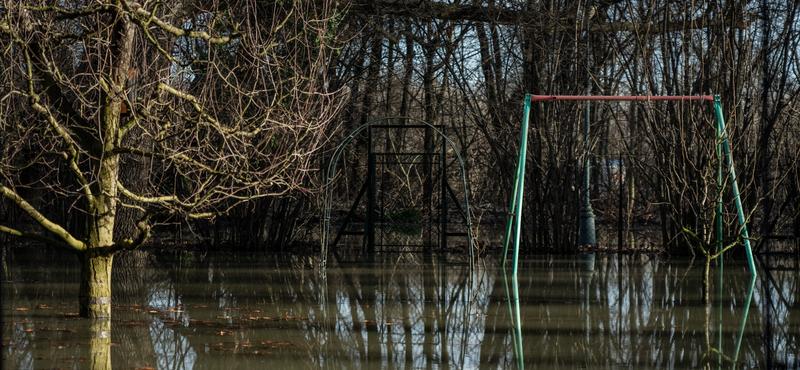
[(724, 146), (515, 210)]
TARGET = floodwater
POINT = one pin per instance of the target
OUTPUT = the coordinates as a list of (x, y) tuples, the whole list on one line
[(190, 310)]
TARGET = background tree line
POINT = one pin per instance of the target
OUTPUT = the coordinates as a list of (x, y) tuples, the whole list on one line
[(465, 65)]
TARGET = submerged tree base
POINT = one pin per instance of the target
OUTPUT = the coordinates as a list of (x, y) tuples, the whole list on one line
[(95, 289)]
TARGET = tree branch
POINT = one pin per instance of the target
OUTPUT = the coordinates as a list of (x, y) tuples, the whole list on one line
[(146, 17), (37, 237), (199, 109), (145, 199), (164, 200), (55, 125), (43, 221)]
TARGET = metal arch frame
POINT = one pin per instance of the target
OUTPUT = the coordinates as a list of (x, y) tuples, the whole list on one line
[(330, 175), (723, 151)]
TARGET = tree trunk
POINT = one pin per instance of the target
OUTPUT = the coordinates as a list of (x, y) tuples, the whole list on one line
[(95, 290), (95, 303), (707, 282)]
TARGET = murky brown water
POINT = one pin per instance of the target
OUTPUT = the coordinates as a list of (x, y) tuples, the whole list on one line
[(194, 310)]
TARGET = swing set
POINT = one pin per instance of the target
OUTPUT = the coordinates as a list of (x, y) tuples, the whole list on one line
[(723, 151)]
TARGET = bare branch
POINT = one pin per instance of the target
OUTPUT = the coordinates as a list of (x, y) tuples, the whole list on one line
[(43, 221), (32, 236), (148, 17)]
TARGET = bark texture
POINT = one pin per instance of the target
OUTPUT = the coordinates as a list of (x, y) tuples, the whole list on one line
[(95, 289)]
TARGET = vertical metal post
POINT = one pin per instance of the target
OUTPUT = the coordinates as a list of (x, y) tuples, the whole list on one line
[(720, 189), (719, 234), (520, 173), (511, 208), (369, 227), (443, 194), (726, 147)]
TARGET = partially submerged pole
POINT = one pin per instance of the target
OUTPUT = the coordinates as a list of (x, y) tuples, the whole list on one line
[(737, 199), (515, 219)]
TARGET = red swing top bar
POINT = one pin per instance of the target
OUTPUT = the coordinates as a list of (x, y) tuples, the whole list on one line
[(622, 98)]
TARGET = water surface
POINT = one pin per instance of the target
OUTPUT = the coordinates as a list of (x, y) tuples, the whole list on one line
[(190, 310)]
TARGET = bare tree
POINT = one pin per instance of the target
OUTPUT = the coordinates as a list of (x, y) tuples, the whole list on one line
[(223, 103)]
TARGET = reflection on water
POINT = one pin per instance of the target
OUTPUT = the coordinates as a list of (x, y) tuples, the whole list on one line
[(201, 310)]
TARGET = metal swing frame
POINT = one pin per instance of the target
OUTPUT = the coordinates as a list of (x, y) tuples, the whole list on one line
[(369, 186), (723, 151)]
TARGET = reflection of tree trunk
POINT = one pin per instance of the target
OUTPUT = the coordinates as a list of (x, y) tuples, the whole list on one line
[(427, 316), (768, 330), (442, 312), (407, 334), (707, 326), (492, 345), (100, 344), (333, 342), (354, 298), (132, 279), (630, 329), (584, 280), (370, 304), (605, 286)]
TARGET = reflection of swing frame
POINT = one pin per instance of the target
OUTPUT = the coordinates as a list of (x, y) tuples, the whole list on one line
[(369, 186), (723, 150)]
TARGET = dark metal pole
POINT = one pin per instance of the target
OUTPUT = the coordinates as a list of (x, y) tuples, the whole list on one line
[(443, 195)]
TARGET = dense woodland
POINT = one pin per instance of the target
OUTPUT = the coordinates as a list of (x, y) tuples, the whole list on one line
[(468, 65), (211, 121)]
